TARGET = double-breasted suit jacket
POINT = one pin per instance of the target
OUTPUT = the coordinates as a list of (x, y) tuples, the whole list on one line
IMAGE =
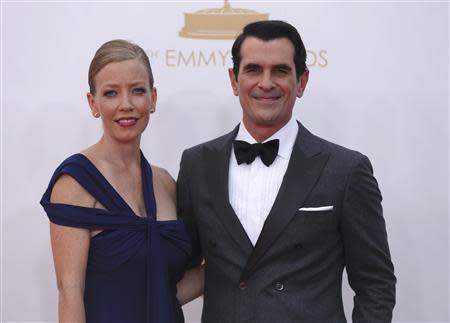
[(327, 216)]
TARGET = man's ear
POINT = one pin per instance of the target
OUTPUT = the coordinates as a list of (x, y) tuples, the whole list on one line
[(233, 81), (302, 83)]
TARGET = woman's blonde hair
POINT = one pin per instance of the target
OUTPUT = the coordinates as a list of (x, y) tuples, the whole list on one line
[(116, 51)]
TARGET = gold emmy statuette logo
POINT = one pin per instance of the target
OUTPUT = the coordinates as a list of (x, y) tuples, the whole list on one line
[(219, 23)]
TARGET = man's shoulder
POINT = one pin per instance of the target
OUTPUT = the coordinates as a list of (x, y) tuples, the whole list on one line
[(337, 149), (336, 152), (207, 144), (216, 143)]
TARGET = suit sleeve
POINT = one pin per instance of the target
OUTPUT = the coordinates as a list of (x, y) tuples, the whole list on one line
[(185, 209), (368, 261)]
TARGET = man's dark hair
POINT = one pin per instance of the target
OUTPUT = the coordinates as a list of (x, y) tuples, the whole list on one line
[(270, 30)]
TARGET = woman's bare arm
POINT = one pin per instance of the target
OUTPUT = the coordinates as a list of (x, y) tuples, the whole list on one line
[(191, 285), (70, 248)]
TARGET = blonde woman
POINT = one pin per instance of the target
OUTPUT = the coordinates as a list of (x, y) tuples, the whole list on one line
[(119, 249)]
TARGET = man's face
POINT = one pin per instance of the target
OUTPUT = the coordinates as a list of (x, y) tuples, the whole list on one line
[(267, 85)]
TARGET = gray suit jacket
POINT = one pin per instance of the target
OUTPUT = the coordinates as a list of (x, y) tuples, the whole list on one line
[(294, 272)]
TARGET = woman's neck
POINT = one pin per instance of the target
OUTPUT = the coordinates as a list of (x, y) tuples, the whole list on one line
[(120, 155)]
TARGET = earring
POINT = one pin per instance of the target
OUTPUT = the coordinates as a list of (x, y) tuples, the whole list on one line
[(96, 115), (152, 108)]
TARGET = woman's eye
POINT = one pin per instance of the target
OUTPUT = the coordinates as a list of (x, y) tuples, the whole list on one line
[(139, 90), (110, 93)]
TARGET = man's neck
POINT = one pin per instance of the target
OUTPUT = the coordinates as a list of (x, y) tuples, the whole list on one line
[(261, 133)]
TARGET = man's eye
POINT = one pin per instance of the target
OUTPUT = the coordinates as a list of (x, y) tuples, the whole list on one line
[(110, 93), (252, 70), (139, 90), (281, 71)]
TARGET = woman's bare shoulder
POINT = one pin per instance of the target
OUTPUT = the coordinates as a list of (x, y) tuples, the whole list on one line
[(68, 191), (163, 178)]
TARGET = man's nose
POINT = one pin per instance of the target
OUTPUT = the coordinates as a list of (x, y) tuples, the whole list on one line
[(266, 82)]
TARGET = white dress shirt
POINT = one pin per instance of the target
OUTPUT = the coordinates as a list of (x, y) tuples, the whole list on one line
[(253, 188)]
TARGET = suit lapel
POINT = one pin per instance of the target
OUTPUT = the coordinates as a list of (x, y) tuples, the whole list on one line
[(217, 160), (301, 175)]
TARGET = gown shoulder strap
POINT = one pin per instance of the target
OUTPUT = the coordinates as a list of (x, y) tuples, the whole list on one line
[(84, 172), (148, 190)]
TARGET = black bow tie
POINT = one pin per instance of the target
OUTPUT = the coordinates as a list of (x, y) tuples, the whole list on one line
[(247, 153)]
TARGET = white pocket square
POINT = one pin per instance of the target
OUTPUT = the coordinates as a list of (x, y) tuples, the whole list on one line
[(317, 209)]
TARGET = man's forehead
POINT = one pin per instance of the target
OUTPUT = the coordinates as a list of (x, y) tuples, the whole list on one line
[(276, 51), (283, 41)]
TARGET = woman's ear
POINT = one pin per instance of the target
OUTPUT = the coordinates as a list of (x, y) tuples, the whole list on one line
[(154, 99), (92, 105)]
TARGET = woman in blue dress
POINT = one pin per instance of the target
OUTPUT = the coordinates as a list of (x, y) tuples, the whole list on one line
[(120, 252)]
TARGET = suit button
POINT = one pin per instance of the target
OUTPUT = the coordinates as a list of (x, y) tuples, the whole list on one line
[(242, 285), (279, 286), (212, 243), (298, 245)]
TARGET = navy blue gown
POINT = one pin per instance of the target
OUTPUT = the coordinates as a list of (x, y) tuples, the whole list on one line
[(135, 262)]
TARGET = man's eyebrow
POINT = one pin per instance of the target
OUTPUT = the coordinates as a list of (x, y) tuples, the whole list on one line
[(251, 66), (282, 67)]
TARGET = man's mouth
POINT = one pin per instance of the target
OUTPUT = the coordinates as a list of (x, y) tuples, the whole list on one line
[(266, 98)]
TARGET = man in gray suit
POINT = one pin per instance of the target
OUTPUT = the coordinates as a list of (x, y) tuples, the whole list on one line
[(275, 212)]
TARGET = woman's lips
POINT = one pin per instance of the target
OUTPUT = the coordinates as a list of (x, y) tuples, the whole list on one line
[(127, 122)]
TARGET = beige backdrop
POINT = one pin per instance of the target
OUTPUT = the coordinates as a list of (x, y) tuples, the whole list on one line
[(379, 83)]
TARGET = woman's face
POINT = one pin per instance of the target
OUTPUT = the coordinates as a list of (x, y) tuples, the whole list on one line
[(123, 99)]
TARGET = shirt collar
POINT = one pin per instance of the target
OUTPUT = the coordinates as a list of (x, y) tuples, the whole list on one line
[(285, 135)]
